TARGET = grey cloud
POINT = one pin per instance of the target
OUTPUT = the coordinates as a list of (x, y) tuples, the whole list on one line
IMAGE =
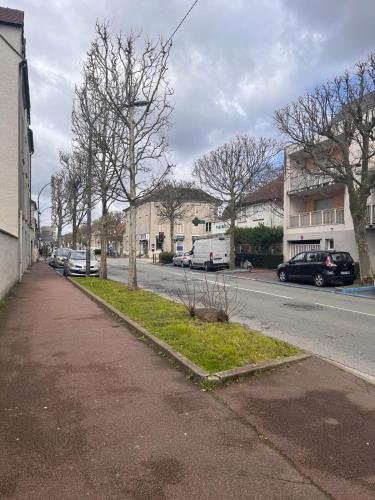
[(232, 63)]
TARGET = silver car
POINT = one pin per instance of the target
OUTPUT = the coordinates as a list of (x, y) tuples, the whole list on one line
[(182, 259), (59, 257), (75, 264)]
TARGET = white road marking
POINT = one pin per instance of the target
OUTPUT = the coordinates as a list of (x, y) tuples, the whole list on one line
[(344, 309), (271, 294), (250, 290)]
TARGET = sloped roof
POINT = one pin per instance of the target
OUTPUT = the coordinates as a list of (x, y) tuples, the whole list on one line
[(11, 16), (190, 195), (273, 191)]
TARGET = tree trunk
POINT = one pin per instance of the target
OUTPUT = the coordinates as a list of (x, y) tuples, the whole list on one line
[(74, 228), (360, 232), (132, 275), (89, 193), (59, 231), (104, 240), (171, 225), (232, 256)]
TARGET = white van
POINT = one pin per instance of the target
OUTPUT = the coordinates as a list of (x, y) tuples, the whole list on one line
[(210, 253)]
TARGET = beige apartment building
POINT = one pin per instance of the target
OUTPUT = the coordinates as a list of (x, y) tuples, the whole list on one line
[(16, 148), (153, 235), (317, 213)]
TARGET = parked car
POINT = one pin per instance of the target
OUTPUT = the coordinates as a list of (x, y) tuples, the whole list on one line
[(182, 259), (210, 253), (59, 257), (75, 264), (320, 267)]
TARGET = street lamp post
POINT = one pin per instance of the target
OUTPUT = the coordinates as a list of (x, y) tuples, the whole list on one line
[(38, 207)]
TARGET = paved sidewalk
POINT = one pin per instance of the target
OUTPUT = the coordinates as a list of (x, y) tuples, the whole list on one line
[(89, 411), (320, 417)]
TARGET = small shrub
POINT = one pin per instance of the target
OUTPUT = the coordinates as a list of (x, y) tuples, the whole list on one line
[(166, 257)]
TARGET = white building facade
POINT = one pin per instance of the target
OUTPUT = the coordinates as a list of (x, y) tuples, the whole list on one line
[(317, 213), (153, 234), (16, 148)]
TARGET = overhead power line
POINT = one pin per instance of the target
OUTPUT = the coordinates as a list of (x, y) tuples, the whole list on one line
[(181, 22)]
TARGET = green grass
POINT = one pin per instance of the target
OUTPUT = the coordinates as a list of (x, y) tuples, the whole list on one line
[(213, 346)]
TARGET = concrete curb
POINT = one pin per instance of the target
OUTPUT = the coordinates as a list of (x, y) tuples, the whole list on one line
[(188, 366), (357, 289), (349, 369), (242, 371)]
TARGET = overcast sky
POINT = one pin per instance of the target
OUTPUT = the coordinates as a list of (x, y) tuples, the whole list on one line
[(232, 64)]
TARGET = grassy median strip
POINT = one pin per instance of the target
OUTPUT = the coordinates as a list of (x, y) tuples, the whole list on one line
[(213, 346)]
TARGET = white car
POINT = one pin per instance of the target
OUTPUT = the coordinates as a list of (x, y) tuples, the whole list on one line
[(75, 264)]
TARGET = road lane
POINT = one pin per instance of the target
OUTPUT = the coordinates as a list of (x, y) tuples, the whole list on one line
[(335, 326)]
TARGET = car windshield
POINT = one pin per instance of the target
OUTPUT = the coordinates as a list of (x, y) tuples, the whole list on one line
[(80, 255), (62, 252), (342, 258)]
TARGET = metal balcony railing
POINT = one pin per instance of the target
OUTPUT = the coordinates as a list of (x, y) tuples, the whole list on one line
[(370, 215), (304, 182), (327, 217)]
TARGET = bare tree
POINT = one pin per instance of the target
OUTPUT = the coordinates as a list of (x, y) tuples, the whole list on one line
[(133, 86), (74, 175), (60, 214), (174, 203), (333, 128), (235, 169), (87, 109)]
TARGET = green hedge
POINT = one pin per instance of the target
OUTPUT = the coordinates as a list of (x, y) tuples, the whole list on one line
[(265, 261), (258, 236), (166, 257)]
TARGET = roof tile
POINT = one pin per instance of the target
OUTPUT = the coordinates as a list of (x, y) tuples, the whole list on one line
[(11, 16)]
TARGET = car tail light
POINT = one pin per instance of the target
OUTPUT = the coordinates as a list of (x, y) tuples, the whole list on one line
[(211, 256), (329, 263)]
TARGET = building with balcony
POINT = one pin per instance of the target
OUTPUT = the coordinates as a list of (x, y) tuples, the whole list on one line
[(153, 234), (317, 214), (16, 147)]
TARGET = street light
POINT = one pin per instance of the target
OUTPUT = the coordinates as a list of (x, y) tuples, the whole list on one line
[(40, 192)]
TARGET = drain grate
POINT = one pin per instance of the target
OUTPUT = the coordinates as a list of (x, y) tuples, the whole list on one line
[(303, 307)]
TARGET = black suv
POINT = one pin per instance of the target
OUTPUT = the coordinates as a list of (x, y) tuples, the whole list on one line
[(320, 267)]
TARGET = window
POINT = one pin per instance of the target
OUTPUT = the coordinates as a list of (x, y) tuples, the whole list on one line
[(342, 258), (330, 244), (208, 227), (311, 257), (324, 204), (299, 258)]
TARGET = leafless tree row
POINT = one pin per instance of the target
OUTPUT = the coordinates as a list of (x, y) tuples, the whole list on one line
[(120, 116)]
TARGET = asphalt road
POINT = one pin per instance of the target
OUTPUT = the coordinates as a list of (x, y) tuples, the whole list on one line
[(338, 327)]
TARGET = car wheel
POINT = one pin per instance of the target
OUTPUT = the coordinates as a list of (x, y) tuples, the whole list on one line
[(283, 276), (319, 280), (207, 266)]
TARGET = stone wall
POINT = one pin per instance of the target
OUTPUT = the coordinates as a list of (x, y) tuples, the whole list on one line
[(8, 262)]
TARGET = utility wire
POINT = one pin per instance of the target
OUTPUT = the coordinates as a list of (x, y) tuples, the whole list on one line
[(180, 23)]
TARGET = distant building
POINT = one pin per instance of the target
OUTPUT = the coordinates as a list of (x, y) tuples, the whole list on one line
[(48, 234), (16, 147), (154, 235), (264, 206)]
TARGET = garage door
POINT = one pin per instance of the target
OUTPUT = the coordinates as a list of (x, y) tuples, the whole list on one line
[(307, 246)]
